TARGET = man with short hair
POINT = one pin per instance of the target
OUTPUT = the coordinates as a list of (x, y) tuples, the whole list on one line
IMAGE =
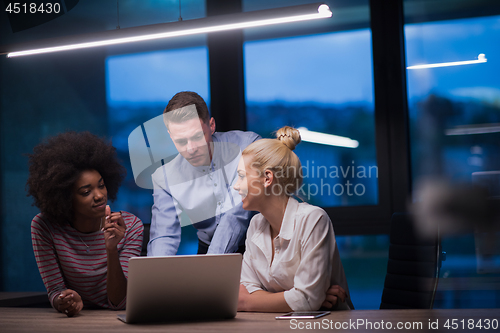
[(199, 182)]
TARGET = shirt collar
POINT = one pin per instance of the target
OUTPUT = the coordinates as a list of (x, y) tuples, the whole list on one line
[(288, 223), (263, 233)]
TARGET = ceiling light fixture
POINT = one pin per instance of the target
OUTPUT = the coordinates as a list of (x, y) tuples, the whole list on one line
[(480, 59), (326, 139), (474, 129), (174, 29)]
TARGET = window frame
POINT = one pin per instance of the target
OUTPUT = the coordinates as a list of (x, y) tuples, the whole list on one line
[(389, 81)]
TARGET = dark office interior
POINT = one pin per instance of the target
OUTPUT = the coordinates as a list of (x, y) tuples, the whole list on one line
[(427, 137)]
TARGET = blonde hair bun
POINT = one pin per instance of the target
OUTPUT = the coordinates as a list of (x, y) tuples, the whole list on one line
[(289, 136)]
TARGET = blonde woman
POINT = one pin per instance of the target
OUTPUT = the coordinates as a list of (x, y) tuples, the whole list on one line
[(291, 256)]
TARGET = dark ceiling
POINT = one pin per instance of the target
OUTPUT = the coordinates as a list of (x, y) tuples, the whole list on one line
[(99, 15)]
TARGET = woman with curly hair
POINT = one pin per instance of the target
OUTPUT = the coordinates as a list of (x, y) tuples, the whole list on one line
[(291, 262), (81, 247)]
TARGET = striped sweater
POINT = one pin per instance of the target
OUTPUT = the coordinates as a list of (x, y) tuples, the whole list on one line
[(64, 263)]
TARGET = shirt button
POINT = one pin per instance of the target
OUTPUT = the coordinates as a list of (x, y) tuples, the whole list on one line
[(219, 203), (215, 184)]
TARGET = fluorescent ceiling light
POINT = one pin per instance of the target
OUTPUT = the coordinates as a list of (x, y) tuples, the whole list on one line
[(327, 139), (175, 29), (474, 129), (480, 59)]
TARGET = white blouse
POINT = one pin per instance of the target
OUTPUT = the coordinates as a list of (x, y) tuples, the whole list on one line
[(306, 259)]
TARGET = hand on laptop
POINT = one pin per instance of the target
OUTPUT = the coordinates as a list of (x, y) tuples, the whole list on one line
[(68, 302), (114, 228), (333, 295)]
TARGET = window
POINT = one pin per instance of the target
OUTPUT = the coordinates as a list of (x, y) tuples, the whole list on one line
[(322, 83), (454, 134), (364, 258), (458, 106), (139, 87)]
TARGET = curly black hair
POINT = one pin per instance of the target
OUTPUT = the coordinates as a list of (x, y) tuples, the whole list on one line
[(56, 165)]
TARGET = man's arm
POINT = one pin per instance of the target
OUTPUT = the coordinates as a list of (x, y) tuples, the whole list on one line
[(231, 230), (165, 232), (233, 224)]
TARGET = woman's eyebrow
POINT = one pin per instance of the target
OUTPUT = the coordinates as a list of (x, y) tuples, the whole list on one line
[(88, 185), (84, 186)]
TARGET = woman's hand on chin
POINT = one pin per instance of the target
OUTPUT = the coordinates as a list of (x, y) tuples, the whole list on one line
[(114, 229), (68, 302)]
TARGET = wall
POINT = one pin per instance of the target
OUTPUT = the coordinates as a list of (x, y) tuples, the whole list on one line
[(40, 96)]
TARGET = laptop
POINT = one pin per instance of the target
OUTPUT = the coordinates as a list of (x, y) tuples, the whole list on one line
[(180, 288)]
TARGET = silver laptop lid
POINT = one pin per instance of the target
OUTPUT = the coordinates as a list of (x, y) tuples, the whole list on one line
[(193, 287)]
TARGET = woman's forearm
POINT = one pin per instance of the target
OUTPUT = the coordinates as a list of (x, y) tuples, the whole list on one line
[(116, 283), (264, 301)]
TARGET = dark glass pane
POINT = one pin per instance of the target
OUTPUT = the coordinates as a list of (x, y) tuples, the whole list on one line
[(455, 133), (322, 83), (365, 264), (139, 87)]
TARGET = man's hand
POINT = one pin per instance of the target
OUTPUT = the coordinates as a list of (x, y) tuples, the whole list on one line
[(68, 302), (334, 295), (114, 229)]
